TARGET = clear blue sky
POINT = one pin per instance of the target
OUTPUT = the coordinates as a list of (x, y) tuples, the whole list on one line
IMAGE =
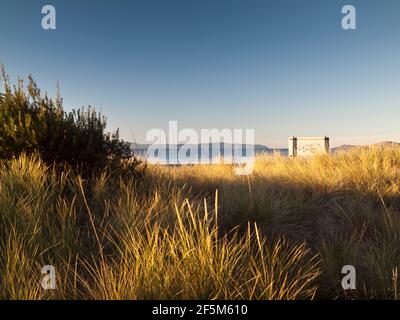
[(280, 67)]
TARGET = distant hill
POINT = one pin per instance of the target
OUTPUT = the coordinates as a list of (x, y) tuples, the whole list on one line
[(346, 147), (388, 144)]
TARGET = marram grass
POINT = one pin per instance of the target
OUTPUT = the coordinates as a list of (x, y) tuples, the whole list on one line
[(200, 232)]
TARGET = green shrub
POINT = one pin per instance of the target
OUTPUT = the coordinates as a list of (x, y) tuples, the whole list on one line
[(33, 123)]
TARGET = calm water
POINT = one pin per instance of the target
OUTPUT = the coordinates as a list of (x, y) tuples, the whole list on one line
[(181, 156)]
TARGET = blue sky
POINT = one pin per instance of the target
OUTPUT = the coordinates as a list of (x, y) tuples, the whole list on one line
[(281, 68)]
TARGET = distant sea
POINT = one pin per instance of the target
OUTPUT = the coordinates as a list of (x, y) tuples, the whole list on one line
[(193, 154)]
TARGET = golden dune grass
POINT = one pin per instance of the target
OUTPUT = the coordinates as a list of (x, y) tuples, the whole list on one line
[(200, 232)]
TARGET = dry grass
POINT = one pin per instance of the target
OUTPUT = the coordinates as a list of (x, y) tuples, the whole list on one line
[(196, 232)]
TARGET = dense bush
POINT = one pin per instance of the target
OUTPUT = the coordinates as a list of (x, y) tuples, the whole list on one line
[(33, 123)]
